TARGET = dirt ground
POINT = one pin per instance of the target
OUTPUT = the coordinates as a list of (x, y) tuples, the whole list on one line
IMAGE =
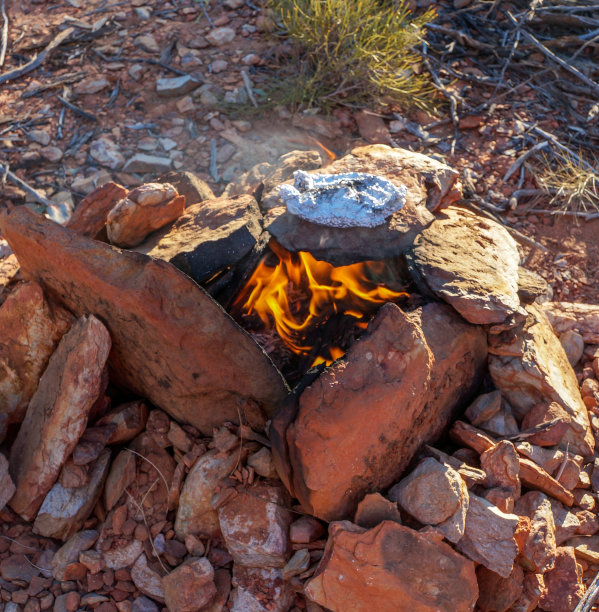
[(121, 48)]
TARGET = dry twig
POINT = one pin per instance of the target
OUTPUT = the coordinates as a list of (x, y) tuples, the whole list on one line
[(4, 35)]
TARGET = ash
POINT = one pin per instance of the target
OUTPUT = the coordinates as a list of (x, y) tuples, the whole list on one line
[(353, 199)]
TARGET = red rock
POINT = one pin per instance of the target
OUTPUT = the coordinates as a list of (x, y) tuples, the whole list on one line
[(539, 551), (305, 530), (533, 586), (563, 583), (122, 474), (190, 586), (65, 509), (372, 128), (566, 316), (195, 515), (155, 338), (446, 509), (531, 367), (589, 523), (30, 328), (498, 594), (391, 568), (57, 414), (542, 414), (396, 388), (502, 466), (489, 536), (566, 522), (69, 552), (255, 525), (483, 408), (260, 589), (262, 463), (89, 217), (143, 210), (129, 419), (146, 579), (375, 509), (73, 476), (7, 486)]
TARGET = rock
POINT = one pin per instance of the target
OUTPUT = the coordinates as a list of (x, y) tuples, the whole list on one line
[(264, 177), (91, 85), (566, 522), (106, 153), (483, 408), (64, 510), (177, 86), (129, 420), (531, 368), (220, 36), (209, 237), (260, 589), (122, 554), (52, 154), (582, 318), (489, 536), (498, 594), (42, 137), (446, 510), (349, 199), (57, 413), (563, 583), (375, 509), (552, 421), (195, 515), (530, 286), (92, 560), (298, 564), (502, 424), (190, 586), (18, 568), (143, 163), (429, 184), (69, 552), (146, 579), (89, 217), (144, 604), (145, 209), (7, 486), (255, 525), (189, 185), (391, 568), (372, 128), (149, 357), (502, 466), (470, 262), (573, 345), (122, 474), (305, 530), (539, 551), (396, 388), (30, 328), (148, 43), (533, 585), (261, 462)]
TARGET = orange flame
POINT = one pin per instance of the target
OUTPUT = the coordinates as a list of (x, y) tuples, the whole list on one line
[(345, 290)]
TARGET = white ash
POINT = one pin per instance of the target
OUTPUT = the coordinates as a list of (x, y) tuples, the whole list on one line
[(353, 199)]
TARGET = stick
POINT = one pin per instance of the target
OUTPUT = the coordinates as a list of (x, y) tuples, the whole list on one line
[(77, 110), (213, 166), (543, 49), (589, 598), (248, 87), (39, 60), (38, 197), (514, 167), (4, 34)]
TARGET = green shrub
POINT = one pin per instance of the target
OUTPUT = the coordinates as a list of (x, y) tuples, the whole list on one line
[(353, 51)]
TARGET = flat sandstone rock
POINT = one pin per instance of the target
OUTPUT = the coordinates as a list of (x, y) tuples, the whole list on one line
[(57, 414), (171, 342)]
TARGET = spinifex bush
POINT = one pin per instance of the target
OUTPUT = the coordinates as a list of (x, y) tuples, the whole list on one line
[(354, 51)]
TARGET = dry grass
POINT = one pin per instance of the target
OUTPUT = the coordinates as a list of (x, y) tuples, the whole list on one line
[(572, 182), (353, 53)]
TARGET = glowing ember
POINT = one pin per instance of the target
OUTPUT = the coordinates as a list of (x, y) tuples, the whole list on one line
[(300, 295)]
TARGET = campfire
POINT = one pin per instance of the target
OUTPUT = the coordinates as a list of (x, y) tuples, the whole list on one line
[(315, 308)]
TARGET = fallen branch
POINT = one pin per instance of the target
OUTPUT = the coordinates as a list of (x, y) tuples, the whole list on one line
[(77, 110), (589, 598), (34, 193), (58, 40), (558, 60), (514, 167)]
